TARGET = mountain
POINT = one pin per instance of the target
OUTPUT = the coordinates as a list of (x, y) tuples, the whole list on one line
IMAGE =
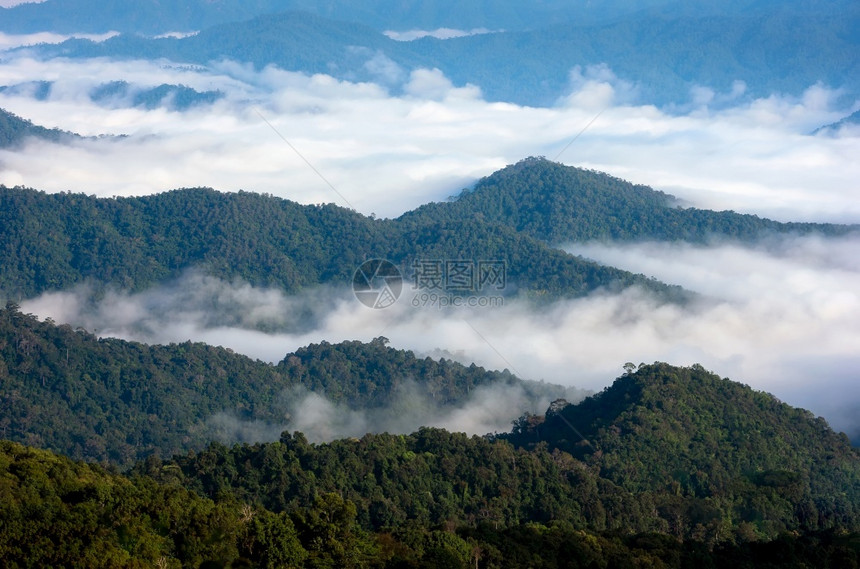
[(135, 243), (715, 441), (14, 131), (665, 449), (115, 401), (851, 120), (515, 216), (60, 513), (560, 204), (150, 17), (773, 49)]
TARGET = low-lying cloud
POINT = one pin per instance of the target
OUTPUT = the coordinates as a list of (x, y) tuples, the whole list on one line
[(416, 137), (487, 409), (781, 317), (438, 33)]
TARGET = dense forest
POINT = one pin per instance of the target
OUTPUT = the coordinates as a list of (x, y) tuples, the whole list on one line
[(109, 400), (439, 499), (690, 455), (59, 513), (562, 204), (57, 241)]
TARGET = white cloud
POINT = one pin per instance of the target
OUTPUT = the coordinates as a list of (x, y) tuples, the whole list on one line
[(439, 34), (10, 3), (387, 154), (9, 41)]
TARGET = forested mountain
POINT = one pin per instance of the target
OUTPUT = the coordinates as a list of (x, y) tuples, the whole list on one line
[(14, 130), (56, 241), (437, 499), (707, 438), (778, 49), (561, 204), (116, 401), (176, 97), (59, 513), (673, 450)]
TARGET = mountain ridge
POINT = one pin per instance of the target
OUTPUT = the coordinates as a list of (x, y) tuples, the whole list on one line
[(114, 401), (805, 481), (560, 204), (651, 51)]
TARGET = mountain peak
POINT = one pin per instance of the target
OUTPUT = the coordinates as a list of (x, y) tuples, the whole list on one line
[(703, 432)]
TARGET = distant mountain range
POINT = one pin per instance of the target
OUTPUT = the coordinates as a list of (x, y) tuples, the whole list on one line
[(151, 17), (662, 52)]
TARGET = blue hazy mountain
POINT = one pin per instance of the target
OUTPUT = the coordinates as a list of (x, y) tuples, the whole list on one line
[(664, 51), (154, 17)]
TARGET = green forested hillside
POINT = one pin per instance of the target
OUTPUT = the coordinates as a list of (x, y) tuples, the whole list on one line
[(560, 204), (58, 513), (115, 401), (14, 130), (690, 455), (714, 441), (56, 241)]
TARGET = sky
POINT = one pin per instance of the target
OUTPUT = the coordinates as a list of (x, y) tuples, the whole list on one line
[(779, 316)]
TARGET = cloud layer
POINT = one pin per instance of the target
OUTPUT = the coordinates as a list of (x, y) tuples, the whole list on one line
[(387, 153)]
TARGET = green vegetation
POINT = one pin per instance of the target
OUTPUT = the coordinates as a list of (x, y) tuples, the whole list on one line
[(115, 401), (668, 467), (14, 130), (720, 450), (57, 241), (690, 455), (58, 513), (562, 204)]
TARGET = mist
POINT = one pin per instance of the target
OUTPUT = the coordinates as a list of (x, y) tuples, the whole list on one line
[(487, 409), (780, 317), (414, 137)]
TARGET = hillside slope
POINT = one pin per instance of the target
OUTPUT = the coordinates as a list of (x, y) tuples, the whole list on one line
[(57, 241), (689, 432), (560, 204), (672, 450), (114, 401), (14, 130)]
